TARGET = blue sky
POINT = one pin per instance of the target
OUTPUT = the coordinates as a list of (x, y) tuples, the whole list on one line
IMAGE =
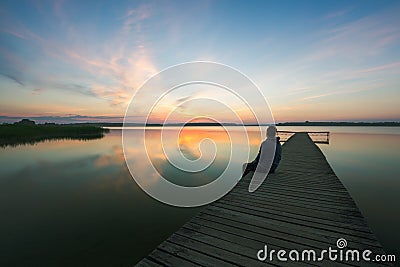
[(313, 60)]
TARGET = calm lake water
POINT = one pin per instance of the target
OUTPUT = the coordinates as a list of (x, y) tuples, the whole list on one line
[(72, 202)]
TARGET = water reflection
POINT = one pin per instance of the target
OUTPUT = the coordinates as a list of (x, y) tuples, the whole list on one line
[(191, 166), (192, 144), (35, 140), (72, 202)]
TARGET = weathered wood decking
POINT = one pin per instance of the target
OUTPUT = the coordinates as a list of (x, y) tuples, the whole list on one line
[(302, 206)]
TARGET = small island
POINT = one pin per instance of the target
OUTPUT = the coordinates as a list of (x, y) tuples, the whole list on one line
[(28, 132)]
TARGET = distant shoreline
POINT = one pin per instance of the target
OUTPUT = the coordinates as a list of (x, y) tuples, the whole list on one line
[(379, 124), (208, 124), (27, 132), (375, 124)]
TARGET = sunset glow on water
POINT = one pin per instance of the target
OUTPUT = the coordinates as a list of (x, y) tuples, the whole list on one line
[(80, 193)]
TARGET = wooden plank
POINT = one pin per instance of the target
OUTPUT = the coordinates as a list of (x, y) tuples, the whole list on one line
[(245, 241), (220, 250), (302, 186), (299, 199), (261, 226), (267, 218), (195, 256), (280, 208), (278, 202), (243, 253), (295, 218), (146, 262), (163, 258), (334, 199), (295, 234)]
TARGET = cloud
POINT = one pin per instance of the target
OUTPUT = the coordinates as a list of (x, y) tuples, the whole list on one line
[(72, 118), (134, 17), (116, 96), (189, 97), (344, 91), (123, 65), (112, 70), (115, 158), (358, 76), (37, 91), (125, 73), (338, 13), (379, 68), (14, 79), (366, 37), (298, 91), (59, 9), (21, 32)]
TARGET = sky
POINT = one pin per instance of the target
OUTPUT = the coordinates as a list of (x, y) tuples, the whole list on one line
[(69, 61)]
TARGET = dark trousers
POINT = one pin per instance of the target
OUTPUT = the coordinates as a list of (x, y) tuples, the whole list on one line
[(252, 166)]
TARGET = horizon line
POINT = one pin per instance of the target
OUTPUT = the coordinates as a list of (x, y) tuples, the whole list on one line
[(77, 119)]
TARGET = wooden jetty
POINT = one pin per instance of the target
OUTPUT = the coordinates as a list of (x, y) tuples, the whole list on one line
[(318, 137), (303, 206)]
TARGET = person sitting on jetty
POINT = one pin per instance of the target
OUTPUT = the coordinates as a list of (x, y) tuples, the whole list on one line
[(263, 160)]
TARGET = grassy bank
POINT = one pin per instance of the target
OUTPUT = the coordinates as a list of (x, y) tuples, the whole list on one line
[(14, 134)]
